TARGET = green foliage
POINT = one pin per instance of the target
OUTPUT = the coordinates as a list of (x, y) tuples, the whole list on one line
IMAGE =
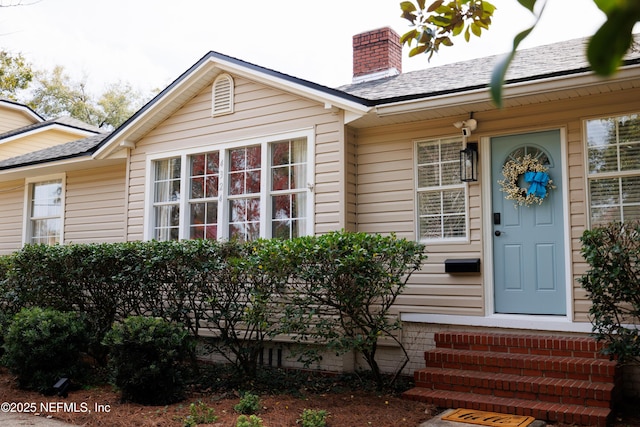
[(613, 255), (249, 421), (434, 25), (54, 93), (147, 359), (249, 404), (15, 74), (199, 413), (44, 345), (313, 418), (344, 287), (334, 290), (239, 299)]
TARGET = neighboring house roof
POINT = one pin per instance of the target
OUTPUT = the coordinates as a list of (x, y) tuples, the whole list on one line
[(23, 108), (79, 148), (68, 123)]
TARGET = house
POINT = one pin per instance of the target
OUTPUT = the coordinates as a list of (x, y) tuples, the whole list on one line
[(234, 150)]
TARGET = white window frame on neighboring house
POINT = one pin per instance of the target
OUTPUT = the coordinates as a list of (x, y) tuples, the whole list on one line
[(32, 215), (437, 178), (613, 168), (205, 205)]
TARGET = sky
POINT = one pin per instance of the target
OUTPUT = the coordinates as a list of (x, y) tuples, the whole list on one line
[(149, 43)]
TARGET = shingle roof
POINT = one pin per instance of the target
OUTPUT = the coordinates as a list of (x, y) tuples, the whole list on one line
[(563, 58), (63, 121), (58, 152)]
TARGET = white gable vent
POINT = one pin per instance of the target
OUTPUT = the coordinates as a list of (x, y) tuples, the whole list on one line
[(222, 95)]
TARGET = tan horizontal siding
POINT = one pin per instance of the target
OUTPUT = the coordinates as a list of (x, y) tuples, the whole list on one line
[(11, 119), (11, 212), (94, 205), (386, 191)]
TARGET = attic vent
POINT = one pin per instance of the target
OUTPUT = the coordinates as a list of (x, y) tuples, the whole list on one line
[(222, 95)]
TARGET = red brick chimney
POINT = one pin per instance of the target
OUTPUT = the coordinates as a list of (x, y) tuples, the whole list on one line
[(376, 54)]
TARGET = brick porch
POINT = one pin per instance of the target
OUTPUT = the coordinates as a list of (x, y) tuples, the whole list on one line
[(557, 379)]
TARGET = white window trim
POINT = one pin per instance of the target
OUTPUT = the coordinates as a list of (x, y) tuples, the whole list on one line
[(265, 200), (26, 224), (451, 240)]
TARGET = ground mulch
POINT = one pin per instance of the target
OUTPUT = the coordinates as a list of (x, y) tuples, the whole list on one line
[(345, 408)]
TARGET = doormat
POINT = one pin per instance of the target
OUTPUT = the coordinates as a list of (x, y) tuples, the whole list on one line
[(484, 418)]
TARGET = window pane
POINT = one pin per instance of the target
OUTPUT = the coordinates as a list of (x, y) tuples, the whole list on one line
[(46, 199), (211, 186), (453, 201), (604, 215), (431, 228), (236, 183), (429, 203), (428, 153), (454, 226), (629, 156), (197, 188), (197, 165), (451, 172), (631, 190), (253, 157), (280, 178), (253, 182), (46, 231), (429, 176), (604, 192)]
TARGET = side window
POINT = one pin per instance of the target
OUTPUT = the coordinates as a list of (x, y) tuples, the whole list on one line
[(289, 188), (613, 151), (166, 199), (45, 209), (440, 195)]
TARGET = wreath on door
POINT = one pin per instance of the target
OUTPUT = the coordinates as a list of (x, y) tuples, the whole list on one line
[(534, 173)]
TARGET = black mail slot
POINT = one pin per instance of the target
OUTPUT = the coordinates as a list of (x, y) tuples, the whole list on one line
[(471, 265)]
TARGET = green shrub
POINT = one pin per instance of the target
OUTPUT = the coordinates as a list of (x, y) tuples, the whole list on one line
[(199, 413), (249, 421), (147, 359), (345, 286), (249, 404), (44, 345), (613, 255), (313, 418)]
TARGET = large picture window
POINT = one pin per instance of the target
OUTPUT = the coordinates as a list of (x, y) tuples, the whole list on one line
[(613, 150), (45, 212), (441, 196), (239, 192)]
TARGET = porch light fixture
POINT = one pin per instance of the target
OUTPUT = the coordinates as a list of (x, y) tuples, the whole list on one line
[(469, 163)]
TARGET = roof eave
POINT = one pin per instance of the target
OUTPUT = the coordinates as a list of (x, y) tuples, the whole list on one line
[(513, 89)]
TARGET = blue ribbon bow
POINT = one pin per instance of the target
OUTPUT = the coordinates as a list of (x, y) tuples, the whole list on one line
[(539, 181)]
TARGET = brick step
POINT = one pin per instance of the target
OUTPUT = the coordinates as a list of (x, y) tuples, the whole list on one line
[(552, 412), (565, 391), (595, 370), (525, 344)]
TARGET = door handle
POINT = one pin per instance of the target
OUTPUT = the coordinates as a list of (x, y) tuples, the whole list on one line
[(497, 233)]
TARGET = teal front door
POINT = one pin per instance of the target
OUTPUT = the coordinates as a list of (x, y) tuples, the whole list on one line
[(528, 241)]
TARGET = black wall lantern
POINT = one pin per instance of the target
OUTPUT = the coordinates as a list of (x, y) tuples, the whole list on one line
[(469, 163)]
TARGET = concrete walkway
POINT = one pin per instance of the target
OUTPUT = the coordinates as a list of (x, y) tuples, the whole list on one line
[(16, 419)]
